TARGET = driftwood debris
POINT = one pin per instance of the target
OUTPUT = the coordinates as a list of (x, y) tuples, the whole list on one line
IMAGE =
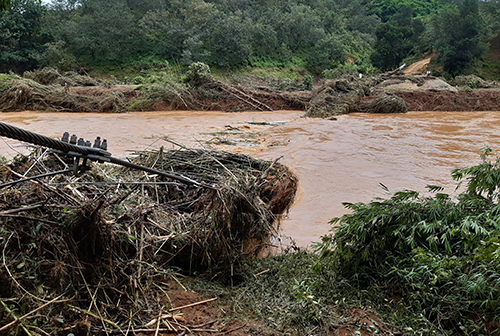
[(109, 249)]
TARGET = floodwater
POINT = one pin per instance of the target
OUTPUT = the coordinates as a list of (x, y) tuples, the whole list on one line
[(338, 161)]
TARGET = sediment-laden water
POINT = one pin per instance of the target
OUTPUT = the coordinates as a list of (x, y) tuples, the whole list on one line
[(338, 161)]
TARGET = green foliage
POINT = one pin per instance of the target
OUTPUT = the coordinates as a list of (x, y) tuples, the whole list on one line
[(307, 82), (235, 33), (4, 77), (4, 5), (441, 253), (166, 35), (197, 74), (458, 32), (103, 32), (397, 39), (483, 179), (155, 92), (291, 295), (57, 56), (326, 52), (348, 69), (220, 33), (385, 9), (21, 36)]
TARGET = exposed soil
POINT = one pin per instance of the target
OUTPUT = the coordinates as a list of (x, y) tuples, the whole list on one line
[(433, 95), (268, 100), (417, 68), (206, 318)]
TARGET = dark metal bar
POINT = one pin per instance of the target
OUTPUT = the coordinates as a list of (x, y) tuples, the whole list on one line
[(117, 183), (128, 164)]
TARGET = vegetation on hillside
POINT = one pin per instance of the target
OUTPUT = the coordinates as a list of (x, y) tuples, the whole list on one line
[(317, 35)]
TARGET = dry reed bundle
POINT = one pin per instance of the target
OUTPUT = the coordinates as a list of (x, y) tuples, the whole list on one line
[(93, 252), (384, 104), (51, 76), (178, 98), (18, 94)]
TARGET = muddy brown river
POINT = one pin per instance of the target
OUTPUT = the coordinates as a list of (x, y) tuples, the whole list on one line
[(336, 161)]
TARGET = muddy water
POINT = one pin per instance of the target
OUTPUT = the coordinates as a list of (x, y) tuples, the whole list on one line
[(336, 161)]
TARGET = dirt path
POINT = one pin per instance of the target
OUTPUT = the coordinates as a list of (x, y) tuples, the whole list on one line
[(417, 68)]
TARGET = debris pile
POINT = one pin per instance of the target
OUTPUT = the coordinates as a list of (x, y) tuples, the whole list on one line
[(211, 94), (384, 104), (49, 90), (93, 253), (20, 94), (473, 82), (51, 76), (339, 96)]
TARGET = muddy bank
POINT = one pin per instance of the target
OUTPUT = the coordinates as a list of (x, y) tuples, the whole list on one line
[(47, 90)]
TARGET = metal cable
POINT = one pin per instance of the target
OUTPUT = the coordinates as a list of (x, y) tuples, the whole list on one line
[(184, 179), (16, 133)]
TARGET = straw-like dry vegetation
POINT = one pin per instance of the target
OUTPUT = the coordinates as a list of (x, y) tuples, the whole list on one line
[(49, 90), (22, 93), (384, 104), (94, 252)]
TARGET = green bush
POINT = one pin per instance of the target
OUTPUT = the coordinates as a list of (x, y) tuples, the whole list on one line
[(442, 254), (198, 73), (347, 69)]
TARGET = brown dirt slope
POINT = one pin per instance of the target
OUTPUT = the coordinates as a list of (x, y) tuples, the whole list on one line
[(417, 68)]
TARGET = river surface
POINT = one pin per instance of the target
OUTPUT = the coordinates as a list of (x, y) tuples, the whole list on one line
[(344, 160)]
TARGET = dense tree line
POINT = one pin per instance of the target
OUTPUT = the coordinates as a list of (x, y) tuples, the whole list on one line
[(318, 34)]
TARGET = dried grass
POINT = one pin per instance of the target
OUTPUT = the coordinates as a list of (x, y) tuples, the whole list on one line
[(474, 82), (384, 104), (108, 248), (51, 76), (18, 94)]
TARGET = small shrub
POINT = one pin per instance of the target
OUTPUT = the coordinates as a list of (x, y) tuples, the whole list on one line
[(347, 69), (138, 80), (198, 73)]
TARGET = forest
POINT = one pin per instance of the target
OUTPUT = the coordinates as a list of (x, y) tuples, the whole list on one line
[(313, 34)]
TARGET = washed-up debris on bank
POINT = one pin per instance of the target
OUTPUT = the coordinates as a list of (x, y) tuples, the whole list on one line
[(108, 239)]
